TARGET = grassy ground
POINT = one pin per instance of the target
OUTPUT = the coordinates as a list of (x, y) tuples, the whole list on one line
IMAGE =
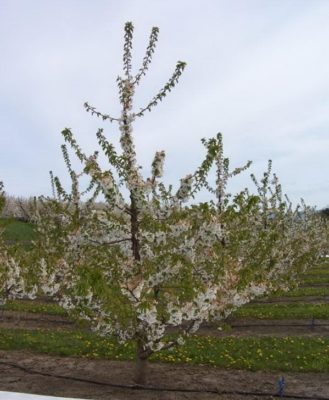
[(268, 353), (16, 230), (284, 311), (34, 307), (315, 279), (303, 291), (320, 270)]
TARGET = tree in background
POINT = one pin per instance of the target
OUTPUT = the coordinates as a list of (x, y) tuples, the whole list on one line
[(13, 277), (324, 212), (268, 242), (19, 208)]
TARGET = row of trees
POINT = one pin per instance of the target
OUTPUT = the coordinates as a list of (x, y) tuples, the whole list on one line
[(23, 208), (19, 208), (153, 258)]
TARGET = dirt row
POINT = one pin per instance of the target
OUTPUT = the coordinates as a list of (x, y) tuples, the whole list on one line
[(20, 371)]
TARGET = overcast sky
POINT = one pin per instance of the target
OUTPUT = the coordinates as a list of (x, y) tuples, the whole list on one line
[(257, 71)]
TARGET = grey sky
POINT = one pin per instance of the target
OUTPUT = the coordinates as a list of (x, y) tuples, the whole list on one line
[(257, 72)]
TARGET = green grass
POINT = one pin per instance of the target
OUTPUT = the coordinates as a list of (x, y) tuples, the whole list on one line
[(14, 230), (268, 353), (303, 291), (283, 311), (317, 271), (315, 279), (34, 307)]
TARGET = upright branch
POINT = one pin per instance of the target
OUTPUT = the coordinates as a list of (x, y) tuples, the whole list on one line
[(127, 48), (148, 54), (263, 189), (180, 66)]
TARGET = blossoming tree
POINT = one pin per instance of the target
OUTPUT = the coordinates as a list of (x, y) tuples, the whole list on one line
[(13, 277), (151, 259), (268, 243)]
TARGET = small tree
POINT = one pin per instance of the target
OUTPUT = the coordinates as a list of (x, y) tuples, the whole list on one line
[(150, 260), (13, 282), (270, 243)]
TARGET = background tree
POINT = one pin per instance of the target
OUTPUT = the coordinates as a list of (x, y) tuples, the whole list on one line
[(13, 277), (20, 208), (324, 212)]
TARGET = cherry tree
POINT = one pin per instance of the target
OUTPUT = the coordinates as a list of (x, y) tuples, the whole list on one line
[(268, 242), (13, 278), (152, 258)]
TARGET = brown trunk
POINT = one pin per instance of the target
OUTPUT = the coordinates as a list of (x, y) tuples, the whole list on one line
[(142, 355), (134, 227), (141, 366)]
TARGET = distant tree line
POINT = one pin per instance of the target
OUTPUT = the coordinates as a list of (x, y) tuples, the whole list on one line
[(324, 212), (24, 208), (20, 208)]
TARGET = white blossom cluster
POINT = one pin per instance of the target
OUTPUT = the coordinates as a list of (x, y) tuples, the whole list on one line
[(158, 163), (12, 283)]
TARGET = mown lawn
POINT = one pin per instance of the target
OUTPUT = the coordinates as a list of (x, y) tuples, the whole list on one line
[(34, 307), (315, 279), (321, 270), (283, 311), (303, 291), (14, 230), (266, 353)]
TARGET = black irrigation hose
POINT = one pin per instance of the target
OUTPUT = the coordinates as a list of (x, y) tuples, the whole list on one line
[(163, 389)]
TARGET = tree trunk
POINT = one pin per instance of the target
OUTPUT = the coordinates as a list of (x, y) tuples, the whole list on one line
[(141, 366)]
